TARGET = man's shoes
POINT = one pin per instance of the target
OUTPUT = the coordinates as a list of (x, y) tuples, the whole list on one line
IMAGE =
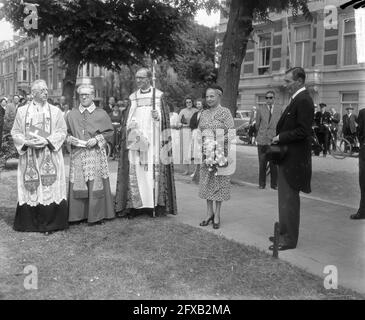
[(282, 247), (261, 187), (357, 216), (274, 187)]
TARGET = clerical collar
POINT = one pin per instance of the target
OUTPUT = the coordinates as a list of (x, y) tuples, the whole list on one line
[(91, 108), (145, 91)]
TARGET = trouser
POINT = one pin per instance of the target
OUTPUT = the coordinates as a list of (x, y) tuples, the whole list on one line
[(261, 150), (334, 136), (289, 209), (362, 180), (324, 138)]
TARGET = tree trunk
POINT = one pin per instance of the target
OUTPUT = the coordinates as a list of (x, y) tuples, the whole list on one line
[(235, 40), (69, 82)]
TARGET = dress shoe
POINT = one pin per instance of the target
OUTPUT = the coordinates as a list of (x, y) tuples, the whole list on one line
[(282, 247), (261, 187), (357, 216), (216, 225), (274, 187), (272, 238), (204, 223)]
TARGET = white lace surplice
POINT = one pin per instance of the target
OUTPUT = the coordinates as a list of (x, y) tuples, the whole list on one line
[(43, 195)]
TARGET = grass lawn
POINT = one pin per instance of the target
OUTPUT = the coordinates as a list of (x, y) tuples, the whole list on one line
[(147, 258)]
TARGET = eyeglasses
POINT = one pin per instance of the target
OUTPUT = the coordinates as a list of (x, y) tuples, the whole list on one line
[(269, 98)]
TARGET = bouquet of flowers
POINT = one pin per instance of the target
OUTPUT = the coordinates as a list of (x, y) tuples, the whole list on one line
[(213, 155)]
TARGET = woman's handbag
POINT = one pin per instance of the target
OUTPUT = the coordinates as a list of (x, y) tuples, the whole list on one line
[(276, 152)]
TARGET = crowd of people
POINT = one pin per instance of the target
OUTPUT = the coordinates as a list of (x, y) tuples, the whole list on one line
[(150, 139), (326, 127)]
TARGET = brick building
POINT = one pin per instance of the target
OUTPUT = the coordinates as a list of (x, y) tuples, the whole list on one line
[(26, 59), (326, 47)]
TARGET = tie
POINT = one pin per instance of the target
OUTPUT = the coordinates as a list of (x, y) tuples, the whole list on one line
[(270, 110)]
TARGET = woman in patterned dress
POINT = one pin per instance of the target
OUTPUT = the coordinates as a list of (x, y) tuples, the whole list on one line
[(214, 187)]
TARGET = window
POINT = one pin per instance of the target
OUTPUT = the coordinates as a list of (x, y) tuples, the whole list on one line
[(349, 43), (96, 71), (349, 99), (50, 78), (24, 71), (59, 81), (302, 46), (80, 71), (88, 69), (44, 48), (264, 53), (50, 44)]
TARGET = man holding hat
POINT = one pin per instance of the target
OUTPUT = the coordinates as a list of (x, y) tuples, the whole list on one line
[(349, 125), (89, 130), (322, 120)]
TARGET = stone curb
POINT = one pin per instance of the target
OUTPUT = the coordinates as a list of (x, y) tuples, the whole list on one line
[(303, 195)]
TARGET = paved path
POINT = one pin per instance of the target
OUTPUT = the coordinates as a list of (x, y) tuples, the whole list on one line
[(327, 235)]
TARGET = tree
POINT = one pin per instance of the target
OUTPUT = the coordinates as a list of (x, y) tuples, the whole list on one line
[(241, 15), (109, 33), (192, 69), (186, 74)]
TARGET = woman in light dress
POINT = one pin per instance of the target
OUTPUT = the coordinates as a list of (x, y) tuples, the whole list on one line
[(185, 135)]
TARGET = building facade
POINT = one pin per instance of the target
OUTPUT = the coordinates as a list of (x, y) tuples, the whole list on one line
[(26, 59), (326, 47)]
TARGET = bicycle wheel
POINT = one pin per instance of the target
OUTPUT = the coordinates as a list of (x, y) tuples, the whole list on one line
[(337, 152), (345, 147)]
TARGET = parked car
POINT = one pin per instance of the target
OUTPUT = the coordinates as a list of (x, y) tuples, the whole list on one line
[(241, 124)]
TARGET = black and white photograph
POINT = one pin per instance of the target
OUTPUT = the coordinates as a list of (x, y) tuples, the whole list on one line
[(186, 152)]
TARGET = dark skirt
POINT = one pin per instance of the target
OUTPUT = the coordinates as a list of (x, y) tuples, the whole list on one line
[(92, 207), (41, 218)]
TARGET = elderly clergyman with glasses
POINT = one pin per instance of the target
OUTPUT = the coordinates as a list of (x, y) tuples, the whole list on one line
[(38, 132), (267, 117), (89, 129)]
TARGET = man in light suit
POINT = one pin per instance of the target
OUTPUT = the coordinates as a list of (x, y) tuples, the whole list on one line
[(295, 169), (267, 118)]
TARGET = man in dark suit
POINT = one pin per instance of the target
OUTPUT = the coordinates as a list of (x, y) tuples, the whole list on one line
[(335, 120), (295, 169), (349, 125), (322, 120), (361, 134), (109, 108)]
